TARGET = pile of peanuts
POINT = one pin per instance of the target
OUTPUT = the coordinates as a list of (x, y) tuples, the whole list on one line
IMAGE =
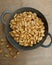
[(11, 51), (27, 28)]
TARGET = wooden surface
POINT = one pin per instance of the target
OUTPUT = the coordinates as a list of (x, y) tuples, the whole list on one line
[(39, 56)]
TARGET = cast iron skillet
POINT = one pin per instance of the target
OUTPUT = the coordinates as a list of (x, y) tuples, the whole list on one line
[(7, 28)]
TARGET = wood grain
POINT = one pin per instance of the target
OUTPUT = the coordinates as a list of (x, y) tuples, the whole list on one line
[(39, 56)]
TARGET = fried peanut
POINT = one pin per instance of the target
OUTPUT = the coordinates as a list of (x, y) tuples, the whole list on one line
[(27, 28), (6, 55)]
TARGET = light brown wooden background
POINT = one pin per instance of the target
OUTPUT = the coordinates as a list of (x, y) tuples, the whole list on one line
[(39, 56)]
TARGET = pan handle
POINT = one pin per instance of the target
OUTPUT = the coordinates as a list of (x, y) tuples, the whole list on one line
[(49, 43), (3, 15)]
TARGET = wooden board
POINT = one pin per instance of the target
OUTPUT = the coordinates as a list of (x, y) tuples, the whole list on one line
[(39, 56)]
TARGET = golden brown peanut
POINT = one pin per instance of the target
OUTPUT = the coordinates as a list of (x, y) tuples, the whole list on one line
[(27, 26), (9, 48), (7, 45), (14, 56), (6, 55), (17, 52), (15, 15), (25, 44), (32, 42)]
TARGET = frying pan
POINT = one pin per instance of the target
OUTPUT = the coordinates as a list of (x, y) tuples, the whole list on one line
[(7, 28)]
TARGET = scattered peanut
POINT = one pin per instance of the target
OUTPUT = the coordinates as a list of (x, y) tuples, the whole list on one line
[(14, 56), (6, 55), (1, 40), (17, 52), (9, 48), (7, 45)]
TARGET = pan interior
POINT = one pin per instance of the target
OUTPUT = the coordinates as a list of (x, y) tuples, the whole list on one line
[(13, 42)]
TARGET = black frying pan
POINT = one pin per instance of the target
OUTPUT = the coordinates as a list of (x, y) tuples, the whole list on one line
[(7, 28)]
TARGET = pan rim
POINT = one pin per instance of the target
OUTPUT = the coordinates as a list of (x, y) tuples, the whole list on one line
[(11, 41)]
